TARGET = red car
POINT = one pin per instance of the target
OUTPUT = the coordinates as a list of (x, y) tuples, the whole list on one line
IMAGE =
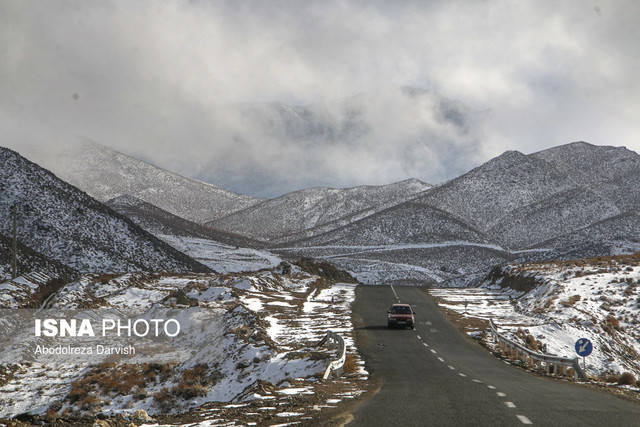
[(401, 315)]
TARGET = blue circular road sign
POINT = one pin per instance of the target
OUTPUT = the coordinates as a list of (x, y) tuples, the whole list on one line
[(584, 347)]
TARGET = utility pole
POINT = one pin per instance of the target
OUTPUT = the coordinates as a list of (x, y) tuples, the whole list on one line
[(14, 272)]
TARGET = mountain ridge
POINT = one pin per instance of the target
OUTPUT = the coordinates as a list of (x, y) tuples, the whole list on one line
[(63, 222)]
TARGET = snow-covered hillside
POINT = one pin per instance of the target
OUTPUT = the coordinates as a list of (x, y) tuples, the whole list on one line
[(106, 174), (221, 251), (57, 219), (553, 304), (569, 201), (315, 210), (510, 181), (159, 222), (527, 207), (250, 343), (407, 224), (611, 172)]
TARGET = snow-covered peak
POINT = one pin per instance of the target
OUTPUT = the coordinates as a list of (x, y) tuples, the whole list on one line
[(106, 174)]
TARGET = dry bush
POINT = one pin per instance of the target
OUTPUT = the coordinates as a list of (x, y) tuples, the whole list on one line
[(611, 378), (627, 378), (572, 300), (613, 321), (195, 375), (78, 392), (630, 290), (350, 364), (189, 391)]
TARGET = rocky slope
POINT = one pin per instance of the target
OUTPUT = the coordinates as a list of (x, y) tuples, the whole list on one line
[(71, 228), (308, 212)]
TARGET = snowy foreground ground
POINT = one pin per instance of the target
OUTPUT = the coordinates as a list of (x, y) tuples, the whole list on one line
[(254, 358), (598, 300)]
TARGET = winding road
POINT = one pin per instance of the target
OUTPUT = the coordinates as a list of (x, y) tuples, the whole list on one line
[(433, 375)]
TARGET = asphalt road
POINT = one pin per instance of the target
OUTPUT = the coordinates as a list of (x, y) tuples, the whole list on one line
[(433, 375)]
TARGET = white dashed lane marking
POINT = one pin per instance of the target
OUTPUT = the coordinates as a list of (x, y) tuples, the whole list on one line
[(523, 419), (394, 292)]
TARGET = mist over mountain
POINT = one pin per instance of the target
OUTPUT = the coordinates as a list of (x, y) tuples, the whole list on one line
[(106, 174), (272, 148)]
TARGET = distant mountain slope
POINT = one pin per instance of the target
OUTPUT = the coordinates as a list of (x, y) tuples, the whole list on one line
[(73, 229), (556, 215), (410, 223), (510, 181), (315, 207), (617, 235), (156, 221), (106, 174), (613, 172), (570, 201)]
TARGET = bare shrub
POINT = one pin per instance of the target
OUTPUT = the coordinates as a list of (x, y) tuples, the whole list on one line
[(350, 365), (189, 391), (627, 378)]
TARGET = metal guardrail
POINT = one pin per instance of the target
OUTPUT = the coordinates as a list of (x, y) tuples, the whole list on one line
[(551, 362), (335, 367)]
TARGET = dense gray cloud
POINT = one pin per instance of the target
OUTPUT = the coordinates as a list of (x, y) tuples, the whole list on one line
[(170, 82)]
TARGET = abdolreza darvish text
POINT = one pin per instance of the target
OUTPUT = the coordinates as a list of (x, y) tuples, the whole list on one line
[(98, 349)]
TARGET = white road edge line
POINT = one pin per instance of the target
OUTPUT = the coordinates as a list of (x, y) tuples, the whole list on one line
[(523, 419)]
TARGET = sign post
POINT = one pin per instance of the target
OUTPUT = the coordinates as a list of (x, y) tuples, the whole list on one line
[(584, 347)]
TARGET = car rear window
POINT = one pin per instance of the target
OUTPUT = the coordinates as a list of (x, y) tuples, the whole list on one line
[(400, 310)]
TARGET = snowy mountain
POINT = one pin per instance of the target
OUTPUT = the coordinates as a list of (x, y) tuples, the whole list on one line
[(410, 223), (106, 174), (57, 219), (159, 222), (308, 212), (612, 172), (556, 215), (510, 181), (221, 251), (514, 207)]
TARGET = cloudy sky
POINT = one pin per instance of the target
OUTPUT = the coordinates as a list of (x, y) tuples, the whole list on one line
[(157, 80)]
